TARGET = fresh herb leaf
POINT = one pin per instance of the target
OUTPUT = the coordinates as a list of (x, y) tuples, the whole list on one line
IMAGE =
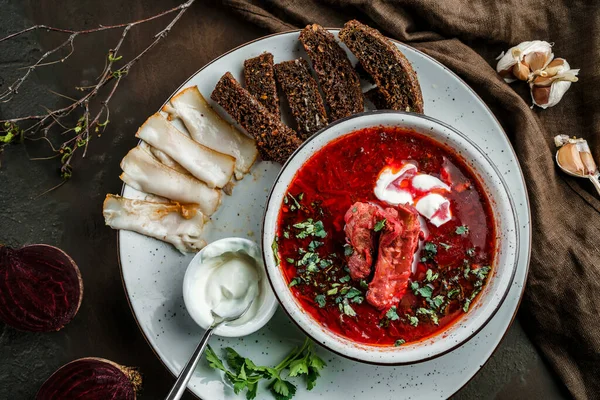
[(348, 250), (425, 291), (345, 278), (298, 367), (310, 228), (430, 247), (363, 284), (290, 260), (312, 246), (453, 292), (333, 291), (301, 196), (391, 314), (380, 225), (436, 302), (412, 320), (430, 276), (471, 252), (429, 313), (286, 234), (446, 246), (325, 263), (282, 389), (347, 309), (352, 293), (354, 209), (275, 248), (213, 359), (293, 282), (252, 391), (320, 300), (234, 360), (462, 230), (399, 342), (481, 273)]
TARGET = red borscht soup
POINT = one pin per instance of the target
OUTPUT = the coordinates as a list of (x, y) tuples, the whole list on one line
[(385, 236)]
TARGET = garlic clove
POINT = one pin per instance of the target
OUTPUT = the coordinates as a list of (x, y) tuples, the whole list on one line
[(589, 163), (520, 71), (516, 54), (568, 158), (547, 91), (537, 60)]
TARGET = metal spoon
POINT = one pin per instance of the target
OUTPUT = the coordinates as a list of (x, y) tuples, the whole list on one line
[(594, 178), (187, 371)]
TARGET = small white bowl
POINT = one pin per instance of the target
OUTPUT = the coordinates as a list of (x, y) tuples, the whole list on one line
[(265, 304), (491, 297)]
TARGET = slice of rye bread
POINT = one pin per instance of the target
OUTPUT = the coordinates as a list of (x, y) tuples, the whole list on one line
[(260, 81), (338, 79), (390, 70), (274, 140), (303, 96)]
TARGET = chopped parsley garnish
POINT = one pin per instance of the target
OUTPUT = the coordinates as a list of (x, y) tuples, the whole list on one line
[(364, 284), (430, 247), (345, 278), (286, 234), (399, 342), (310, 228), (320, 300), (354, 295), (453, 292), (462, 230), (412, 320), (436, 302), (312, 246), (391, 314), (245, 374), (347, 309), (333, 291), (425, 291), (275, 248), (430, 276), (348, 250), (428, 313), (471, 252), (446, 246), (290, 260), (354, 209), (292, 202), (293, 282), (380, 225)]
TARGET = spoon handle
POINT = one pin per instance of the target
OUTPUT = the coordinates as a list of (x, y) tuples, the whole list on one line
[(595, 181), (185, 375)]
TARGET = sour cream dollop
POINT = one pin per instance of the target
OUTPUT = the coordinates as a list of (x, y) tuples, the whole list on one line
[(408, 186), (225, 280)]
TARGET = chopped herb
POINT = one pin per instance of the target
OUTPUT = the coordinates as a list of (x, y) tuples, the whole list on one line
[(430, 276), (286, 234), (301, 196), (294, 205), (348, 250), (481, 273), (347, 309), (320, 300), (391, 314), (345, 278), (414, 321), (290, 260), (352, 293), (471, 252), (426, 291), (310, 228), (430, 247), (446, 246), (293, 282), (275, 248), (380, 225), (436, 302), (468, 301), (399, 342), (453, 293), (333, 291), (354, 209), (429, 313), (462, 230), (312, 246), (414, 285), (325, 263), (364, 284)]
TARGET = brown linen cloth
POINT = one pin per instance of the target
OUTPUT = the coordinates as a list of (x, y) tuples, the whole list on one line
[(561, 305)]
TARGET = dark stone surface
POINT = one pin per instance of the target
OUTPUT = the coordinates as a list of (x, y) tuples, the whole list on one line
[(71, 219)]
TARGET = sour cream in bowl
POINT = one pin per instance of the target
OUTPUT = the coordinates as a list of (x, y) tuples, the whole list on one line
[(223, 277)]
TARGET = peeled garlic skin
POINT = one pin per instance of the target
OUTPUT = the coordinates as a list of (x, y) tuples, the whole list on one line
[(569, 158)]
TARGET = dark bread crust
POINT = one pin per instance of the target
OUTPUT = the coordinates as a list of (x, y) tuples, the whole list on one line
[(392, 72), (337, 77), (260, 81), (274, 140), (303, 96)]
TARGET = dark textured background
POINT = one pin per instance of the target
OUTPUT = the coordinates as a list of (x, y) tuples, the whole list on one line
[(71, 219)]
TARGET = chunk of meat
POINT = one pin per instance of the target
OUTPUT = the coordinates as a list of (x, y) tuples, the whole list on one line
[(360, 221), (397, 245)]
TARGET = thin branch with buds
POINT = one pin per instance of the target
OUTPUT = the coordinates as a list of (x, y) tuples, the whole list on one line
[(89, 121)]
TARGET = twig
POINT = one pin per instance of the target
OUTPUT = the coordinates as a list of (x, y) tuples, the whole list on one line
[(89, 121)]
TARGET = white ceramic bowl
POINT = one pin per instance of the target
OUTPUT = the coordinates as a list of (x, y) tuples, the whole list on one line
[(494, 291), (264, 305)]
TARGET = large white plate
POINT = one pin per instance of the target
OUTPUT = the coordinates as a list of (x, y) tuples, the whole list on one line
[(153, 271)]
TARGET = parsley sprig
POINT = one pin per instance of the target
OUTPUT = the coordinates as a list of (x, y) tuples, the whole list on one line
[(245, 375)]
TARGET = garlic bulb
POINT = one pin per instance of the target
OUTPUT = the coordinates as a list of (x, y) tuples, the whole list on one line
[(574, 155), (551, 83), (523, 60)]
